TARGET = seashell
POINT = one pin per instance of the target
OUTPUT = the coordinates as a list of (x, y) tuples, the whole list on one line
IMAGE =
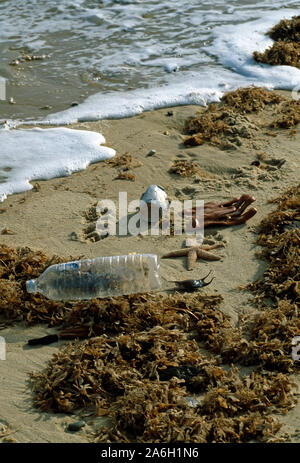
[(156, 201), (151, 153)]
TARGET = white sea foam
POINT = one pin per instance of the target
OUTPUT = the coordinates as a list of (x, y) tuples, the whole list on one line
[(40, 154), (234, 46), (117, 105), (126, 104)]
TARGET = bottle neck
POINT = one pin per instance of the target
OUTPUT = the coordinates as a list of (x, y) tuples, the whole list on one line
[(31, 286)]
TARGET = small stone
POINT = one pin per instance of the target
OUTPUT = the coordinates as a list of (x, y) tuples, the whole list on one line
[(169, 113), (12, 101), (238, 141), (75, 427), (46, 107), (36, 187), (74, 103), (151, 153), (7, 231), (95, 236), (229, 146), (38, 57), (14, 62), (166, 133), (188, 190), (255, 163), (73, 236)]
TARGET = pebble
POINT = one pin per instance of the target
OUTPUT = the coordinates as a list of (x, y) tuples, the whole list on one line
[(169, 113), (96, 236), (12, 101), (38, 57), (188, 190), (73, 236), (151, 153), (7, 231), (75, 427), (74, 103)]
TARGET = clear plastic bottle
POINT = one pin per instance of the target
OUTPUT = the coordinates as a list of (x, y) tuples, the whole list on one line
[(99, 277)]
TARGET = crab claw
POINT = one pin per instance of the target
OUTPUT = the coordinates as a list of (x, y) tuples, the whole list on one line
[(204, 278)]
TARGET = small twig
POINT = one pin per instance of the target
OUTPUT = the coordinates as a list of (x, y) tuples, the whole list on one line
[(183, 310)]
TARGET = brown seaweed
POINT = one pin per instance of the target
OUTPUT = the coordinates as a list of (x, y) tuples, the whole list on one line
[(118, 375), (250, 99), (125, 162), (280, 53), (286, 49), (187, 169), (286, 30), (287, 115), (225, 124)]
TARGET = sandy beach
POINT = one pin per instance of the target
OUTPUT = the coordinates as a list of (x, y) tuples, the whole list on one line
[(58, 217)]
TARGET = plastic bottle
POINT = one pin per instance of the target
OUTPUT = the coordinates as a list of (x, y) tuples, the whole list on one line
[(99, 277)]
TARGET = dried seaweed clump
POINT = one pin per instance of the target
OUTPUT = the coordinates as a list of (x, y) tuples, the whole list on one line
[(125, 176), (17, 266), (138, 312), (159, 412), (286, 49), (91, 214), (286, 30), (125, 161), (280, 53), (127, 378), (280, 236), (105, 365), (187, 169), (265, 339), (287, 115), (250, 99), (220, 126)]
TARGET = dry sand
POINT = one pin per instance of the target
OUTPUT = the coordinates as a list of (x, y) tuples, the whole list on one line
[(53, 218)]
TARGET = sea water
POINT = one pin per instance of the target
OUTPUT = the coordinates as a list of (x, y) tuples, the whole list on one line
[(114, 59)]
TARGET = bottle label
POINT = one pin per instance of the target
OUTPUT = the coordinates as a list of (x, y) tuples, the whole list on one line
[(71, 266)]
